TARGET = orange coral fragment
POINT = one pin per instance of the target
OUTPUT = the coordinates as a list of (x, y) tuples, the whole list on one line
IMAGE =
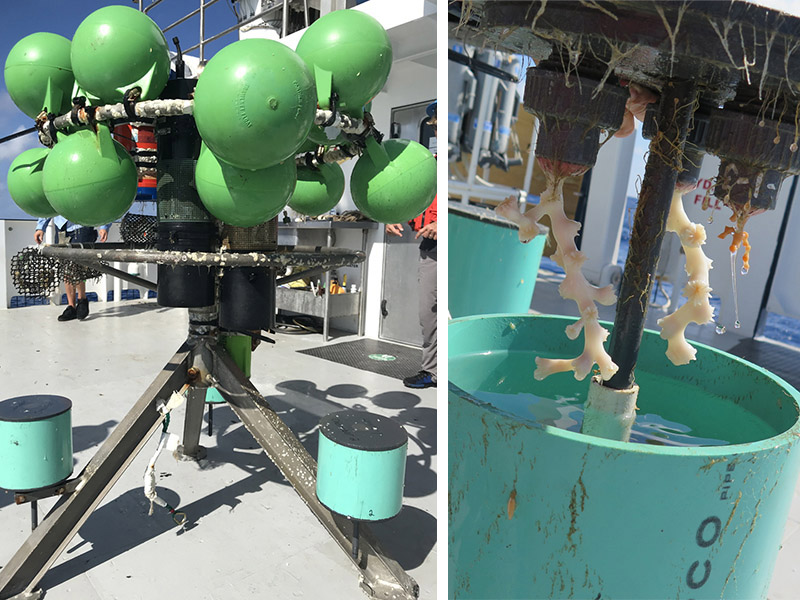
[(739, 239)]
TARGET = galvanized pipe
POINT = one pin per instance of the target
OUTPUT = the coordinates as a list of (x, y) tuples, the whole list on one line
[(189, 16), (151, 6), (305, 12), (285, 26), (202, 31), (234, 28), (649, 225)]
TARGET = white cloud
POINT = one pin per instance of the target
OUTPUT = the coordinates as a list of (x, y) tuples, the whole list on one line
[(11, 149)]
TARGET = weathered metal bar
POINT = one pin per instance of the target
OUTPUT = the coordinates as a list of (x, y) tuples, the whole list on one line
[(381, 577), (22, 573), (317, 257), (147, 109), (150, 109), (119, 274), (649, 225)]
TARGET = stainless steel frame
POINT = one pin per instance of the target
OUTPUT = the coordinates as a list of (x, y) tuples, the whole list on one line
[(199, 360)]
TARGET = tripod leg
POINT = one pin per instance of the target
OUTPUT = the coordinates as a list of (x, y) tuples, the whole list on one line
[(193, 424), (27, 567), (384, 577)]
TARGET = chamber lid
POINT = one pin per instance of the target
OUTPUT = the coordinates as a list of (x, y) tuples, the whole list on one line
[(361, 430), (484, 214), (37, 407)]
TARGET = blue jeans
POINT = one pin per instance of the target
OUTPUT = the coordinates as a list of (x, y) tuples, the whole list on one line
[(84, 235)]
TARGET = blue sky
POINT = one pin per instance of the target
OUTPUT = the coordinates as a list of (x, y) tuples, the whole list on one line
[(18, 19)]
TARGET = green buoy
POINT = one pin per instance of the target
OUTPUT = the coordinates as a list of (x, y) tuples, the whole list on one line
[(89, 178), (394, 181), (317, 190), (242, 197), (117, 48), (254, 103), (349, 53), (25, 183), (38, 74)]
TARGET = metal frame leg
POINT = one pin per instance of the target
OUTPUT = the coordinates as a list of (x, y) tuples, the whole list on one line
[(193, 425), (362, 300), (27, 567), (327, 298), (381, 576)]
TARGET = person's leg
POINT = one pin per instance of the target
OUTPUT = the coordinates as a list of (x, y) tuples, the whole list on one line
[(81, 287), (427, 319), (70, 289), (71, 311), (427, 309)]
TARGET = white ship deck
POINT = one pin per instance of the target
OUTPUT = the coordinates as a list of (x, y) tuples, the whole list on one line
[(248, 534)]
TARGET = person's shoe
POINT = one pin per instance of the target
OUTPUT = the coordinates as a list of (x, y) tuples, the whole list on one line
[(82, 311), (68, 314), (423, 379)]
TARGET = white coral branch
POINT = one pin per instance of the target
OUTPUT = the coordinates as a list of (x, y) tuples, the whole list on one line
[(574, 287), (698, 307)]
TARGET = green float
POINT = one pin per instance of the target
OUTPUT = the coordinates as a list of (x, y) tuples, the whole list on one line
[(117, 48), (241, 197), (254, 103), (361, 465), (38, 74), (25, 183), (349, 53), (35, 442), (89, 178), (695, 509), (394, 181), (318, 190)]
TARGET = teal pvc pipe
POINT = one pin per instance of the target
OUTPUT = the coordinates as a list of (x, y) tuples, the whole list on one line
[(35, 442), (540, 512), (476, 272)]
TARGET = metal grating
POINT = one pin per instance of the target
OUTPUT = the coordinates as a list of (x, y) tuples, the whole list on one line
[(357, 354), (780, 360)]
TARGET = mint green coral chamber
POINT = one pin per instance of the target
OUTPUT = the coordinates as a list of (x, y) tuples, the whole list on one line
[(476, 272), (539, 510), (35, 441), (361, 465)]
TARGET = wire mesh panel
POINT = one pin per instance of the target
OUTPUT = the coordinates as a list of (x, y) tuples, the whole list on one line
[(139, 229), (244, 239), (34, 275)]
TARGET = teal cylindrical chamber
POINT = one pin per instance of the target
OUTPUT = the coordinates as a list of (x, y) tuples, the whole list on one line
[(361, 465), (539, 511), (499, 262), (35, 441)]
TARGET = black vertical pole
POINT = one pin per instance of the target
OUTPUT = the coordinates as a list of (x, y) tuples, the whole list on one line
[(660, 175)]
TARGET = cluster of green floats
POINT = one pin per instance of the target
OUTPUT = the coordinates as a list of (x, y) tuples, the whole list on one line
[(254, 106)]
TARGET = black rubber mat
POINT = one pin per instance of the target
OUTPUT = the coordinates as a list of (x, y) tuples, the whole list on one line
[(376, 356), (782, 361)]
